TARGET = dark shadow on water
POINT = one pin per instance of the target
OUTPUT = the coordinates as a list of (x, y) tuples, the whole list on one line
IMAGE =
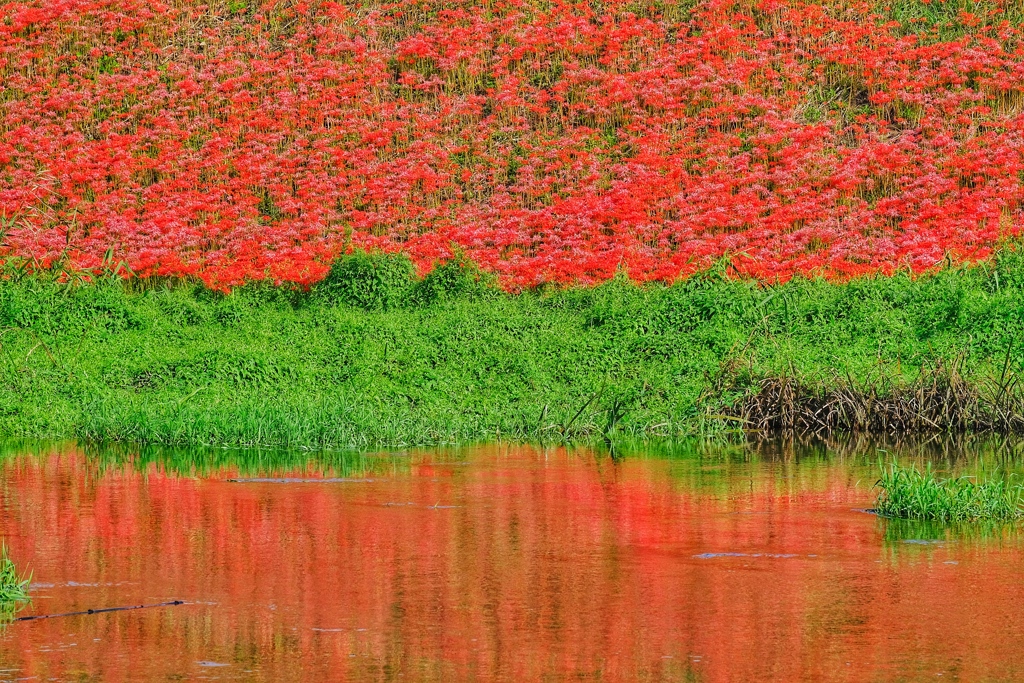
[(945, 452), (916, 533), (948, 452)]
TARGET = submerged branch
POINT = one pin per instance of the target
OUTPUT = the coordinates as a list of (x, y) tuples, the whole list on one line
[(36, 617)]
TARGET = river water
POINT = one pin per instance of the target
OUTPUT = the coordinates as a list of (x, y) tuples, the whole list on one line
[(497, 563)]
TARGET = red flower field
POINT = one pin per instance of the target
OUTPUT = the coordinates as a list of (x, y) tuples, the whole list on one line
[(548, 141)]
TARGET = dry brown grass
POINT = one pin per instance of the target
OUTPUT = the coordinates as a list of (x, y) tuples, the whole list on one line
[(940, 399)]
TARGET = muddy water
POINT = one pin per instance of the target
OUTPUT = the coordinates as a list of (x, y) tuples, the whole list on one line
[(496, 564)]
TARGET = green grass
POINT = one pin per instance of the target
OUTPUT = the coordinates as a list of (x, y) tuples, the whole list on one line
[(13, 587), (373, 357), (909, 493), (942, 19)]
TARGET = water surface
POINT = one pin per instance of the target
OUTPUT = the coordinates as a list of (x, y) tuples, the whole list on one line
[(497, 563)]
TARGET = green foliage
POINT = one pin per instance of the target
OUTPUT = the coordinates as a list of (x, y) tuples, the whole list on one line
[(13, 587), (374, 357), (458, 277), (107, 64), (909, 493), (944, 18), (374, 281)]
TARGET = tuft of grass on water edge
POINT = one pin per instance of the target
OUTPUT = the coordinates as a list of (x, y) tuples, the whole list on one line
[(13, 586), (910, 493)]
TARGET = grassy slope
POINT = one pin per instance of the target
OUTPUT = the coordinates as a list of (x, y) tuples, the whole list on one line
[(269, 367)]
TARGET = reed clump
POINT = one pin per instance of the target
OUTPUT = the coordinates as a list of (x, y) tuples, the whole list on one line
[(13, 587), (940, 398), (910, 493)]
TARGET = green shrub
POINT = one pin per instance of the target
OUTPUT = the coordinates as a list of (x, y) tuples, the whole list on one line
[(458, 277), (371, 281)]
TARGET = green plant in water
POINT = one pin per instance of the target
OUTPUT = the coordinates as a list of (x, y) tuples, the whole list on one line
[(909, 493), (13, 587)]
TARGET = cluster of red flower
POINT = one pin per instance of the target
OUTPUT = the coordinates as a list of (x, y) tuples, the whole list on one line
[(549, 141)]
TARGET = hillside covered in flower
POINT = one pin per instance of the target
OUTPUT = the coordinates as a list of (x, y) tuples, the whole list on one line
[(548, 141)]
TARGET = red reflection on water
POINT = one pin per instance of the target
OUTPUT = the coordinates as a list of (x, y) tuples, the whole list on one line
[(518, 565)]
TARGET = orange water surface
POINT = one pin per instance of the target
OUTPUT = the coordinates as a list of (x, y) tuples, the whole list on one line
[(498, 563)]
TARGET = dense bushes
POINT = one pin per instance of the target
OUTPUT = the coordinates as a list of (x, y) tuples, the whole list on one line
[(379, 281), (374, 282)]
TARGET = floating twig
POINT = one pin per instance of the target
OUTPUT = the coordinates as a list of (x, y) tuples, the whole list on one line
[(289, 480), (98, 611)]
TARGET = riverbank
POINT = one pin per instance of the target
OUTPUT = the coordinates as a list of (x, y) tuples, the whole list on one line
[(373, 357)]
